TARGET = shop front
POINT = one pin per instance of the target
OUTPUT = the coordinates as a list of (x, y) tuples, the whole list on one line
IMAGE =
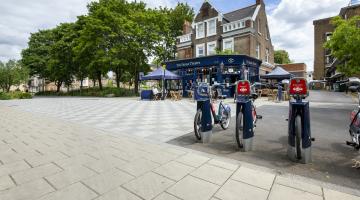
[(225, 70)]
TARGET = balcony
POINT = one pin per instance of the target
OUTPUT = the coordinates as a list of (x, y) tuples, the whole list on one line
[(185, 38)]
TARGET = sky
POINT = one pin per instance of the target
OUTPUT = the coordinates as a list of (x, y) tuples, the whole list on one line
[(290, 21)]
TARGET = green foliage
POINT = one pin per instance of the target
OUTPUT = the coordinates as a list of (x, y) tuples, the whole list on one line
[(115, 35), (282, 57), (93, 92), (12, 73), (14, 95), (345, 43)]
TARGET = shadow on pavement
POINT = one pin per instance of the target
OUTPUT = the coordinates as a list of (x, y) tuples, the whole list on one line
[(331, 156)]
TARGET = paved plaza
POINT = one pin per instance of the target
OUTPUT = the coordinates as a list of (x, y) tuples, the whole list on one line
[(61, 149)]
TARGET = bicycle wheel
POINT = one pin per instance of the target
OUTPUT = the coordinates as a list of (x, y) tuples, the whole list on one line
[(197, 124), (239, 130), (298, 136), (225, 119)]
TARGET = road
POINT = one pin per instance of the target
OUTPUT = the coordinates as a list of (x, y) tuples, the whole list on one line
[(329, 122)]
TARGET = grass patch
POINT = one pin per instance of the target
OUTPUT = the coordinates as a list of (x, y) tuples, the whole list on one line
[(14, 95), (92, 92)]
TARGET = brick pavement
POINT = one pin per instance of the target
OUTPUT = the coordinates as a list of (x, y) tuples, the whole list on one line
[(47, 158)]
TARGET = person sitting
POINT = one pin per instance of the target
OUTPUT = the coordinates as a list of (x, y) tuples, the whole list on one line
[(156, 93)]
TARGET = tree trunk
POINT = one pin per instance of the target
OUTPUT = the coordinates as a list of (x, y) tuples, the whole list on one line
[(81, 83), (94, 82), (118, 76), (58, 86), (99, 79), (136, 88)]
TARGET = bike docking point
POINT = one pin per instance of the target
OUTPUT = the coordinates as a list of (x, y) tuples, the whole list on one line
[(206, 122), (301, 109), (202, 96), (306, 141), (244, 107)]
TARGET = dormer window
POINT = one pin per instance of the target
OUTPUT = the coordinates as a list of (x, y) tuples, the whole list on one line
[(200, 30), (259, 26)]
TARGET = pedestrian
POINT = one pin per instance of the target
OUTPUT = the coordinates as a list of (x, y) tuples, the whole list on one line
[(279, 94)]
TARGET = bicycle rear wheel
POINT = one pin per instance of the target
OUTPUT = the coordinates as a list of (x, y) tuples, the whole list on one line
[(298, 136)]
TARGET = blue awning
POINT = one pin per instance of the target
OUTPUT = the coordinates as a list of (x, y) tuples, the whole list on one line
[(160, 74)]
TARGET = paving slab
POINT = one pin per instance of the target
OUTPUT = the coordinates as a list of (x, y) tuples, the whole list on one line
[(166, 196), (75, 191), (254, 177), (193, 159), (139, 167), (279, 192), (28, 191), (69, 176), (212, 174), (300, 185), (234, 190), (149, 185), (174, 170), (119, 193), (107, 181), (6, 183), (335, 195), (191, 188), (35, 173)]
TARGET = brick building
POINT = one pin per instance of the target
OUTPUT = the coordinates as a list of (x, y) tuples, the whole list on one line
[(243, 31), (297, 69), (324, 63)]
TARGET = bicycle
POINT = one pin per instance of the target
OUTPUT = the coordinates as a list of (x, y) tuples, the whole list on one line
[(239, 132), (223, 116)]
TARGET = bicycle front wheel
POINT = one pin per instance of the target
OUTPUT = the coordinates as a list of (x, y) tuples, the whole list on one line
[(298, 136), (225, 119), (239, 130), (197, 124)]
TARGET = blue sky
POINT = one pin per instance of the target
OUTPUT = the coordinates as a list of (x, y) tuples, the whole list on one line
[(290, 21)]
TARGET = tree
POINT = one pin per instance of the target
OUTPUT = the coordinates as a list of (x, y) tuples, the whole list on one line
[(281, 57), (12, 73), (36, 56), (344, 44)]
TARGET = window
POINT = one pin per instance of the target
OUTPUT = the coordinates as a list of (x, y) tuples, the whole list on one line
[(228, 44), (243, 24), (258, 51), (211, 27), (200, 50), (267, 55), (328, 36), (225, 28), (211, 48), (267, 33), (259, 26), (200, 32)]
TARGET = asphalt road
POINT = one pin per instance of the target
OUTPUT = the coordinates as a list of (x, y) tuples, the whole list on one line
[(329, 122)]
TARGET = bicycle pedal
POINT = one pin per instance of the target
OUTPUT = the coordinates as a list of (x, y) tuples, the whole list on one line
[(287, 120), (313, 139), (259, 116)]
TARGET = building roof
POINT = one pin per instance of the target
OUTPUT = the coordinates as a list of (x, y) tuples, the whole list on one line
[(240, 13), (294, 67)]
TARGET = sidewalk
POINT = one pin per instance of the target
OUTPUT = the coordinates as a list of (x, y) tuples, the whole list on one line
[(45, 158)]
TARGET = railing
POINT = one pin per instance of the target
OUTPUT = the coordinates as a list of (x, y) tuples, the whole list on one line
[(185, 38)]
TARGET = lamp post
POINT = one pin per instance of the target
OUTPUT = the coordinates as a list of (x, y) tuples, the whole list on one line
[(244, 72)]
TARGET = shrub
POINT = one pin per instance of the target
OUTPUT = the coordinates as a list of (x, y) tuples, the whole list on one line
[(15, 95), (93, 92)]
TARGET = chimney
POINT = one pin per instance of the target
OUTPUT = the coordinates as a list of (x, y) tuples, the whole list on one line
[(259, 2)]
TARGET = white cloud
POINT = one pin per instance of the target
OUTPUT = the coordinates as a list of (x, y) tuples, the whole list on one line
[(21, 17), (291, 25)]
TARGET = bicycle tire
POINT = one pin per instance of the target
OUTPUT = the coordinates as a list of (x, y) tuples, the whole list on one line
[(197, 124), (225, 125), (239, 130), (298, 136)]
